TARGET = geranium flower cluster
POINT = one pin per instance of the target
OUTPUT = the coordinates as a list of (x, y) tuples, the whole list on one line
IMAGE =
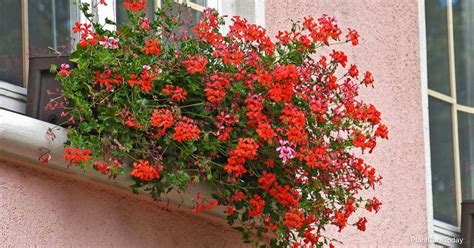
[(273, 124)]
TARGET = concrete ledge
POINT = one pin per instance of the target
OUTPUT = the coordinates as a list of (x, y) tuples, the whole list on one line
[(24, 139)]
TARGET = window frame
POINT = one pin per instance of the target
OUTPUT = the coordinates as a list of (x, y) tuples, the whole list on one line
[(109, 11), (101, 12), (455, 109), (74, 15)]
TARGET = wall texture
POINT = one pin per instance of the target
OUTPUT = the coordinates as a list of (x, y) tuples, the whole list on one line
[(389, 47), (45, 208), (50, 209)]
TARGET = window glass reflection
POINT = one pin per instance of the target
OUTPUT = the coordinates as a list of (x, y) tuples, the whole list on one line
[(463, 26), (11, 60), (466, 154), (442, 161), (437, 45), (122, 13), (49, 27)]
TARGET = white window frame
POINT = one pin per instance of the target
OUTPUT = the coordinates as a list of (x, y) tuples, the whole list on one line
[(101, 12), (455, 108), (74, 14), (439, 230)]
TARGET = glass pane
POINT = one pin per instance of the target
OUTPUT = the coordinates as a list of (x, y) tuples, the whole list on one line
[(49, 27), (464, 50), (122, 13), (466, 154), (243, 8), (11, 60), (192, 18), (437, 45), (442, 161), (246, 9), (188, 17)]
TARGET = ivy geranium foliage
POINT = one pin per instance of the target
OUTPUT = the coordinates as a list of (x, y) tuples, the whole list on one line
[(274, 125)]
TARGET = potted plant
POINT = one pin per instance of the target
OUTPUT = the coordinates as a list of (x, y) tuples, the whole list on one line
[(273, 126)]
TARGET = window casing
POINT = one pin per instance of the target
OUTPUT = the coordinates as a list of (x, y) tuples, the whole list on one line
[(450, 50), (42, 27)]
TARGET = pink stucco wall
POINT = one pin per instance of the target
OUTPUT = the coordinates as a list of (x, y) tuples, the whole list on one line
[(389, 47), (44, 208)]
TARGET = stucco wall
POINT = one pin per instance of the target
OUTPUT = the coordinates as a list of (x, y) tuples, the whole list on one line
[(389, 47), (45, 208)]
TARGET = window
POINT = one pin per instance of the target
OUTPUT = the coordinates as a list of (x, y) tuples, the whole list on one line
[(11, 62), (42, 28), (32, 29), (121, 13), (450, 48), (49, 27)]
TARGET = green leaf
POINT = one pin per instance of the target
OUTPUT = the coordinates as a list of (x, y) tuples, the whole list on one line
[(108, 21), (74, 57), (245, 216), (53, 68), (238, 228)]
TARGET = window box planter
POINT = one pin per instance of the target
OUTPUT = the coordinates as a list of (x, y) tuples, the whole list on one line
[(271, 128), (24, 139)]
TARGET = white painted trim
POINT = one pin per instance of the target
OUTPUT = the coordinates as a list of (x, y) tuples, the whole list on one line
[(448, 228), (12, 97), (82, 18), (22, 138), (75, 16), (11, 87), (426, 120), (260, 12), (441, 96), (442, 231), (195, 6), (25, 41), (466, 109), (107, 11), (454, 114), (215, 4), (230, 9)]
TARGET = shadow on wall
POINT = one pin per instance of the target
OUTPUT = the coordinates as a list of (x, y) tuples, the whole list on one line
[(51, 208)]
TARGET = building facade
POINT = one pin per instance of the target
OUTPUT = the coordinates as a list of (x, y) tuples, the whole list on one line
[(418, 50)]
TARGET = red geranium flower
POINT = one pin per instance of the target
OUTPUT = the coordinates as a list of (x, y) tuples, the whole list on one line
[(144, 171), (135, 5), (265, 131), (152, 47), (257, 204), (195, 64), (186, 130), (368, 78), (353, 71), (177, 93), (162, 119), (76, 156), (361, 224), (353, 37), (382, 131)]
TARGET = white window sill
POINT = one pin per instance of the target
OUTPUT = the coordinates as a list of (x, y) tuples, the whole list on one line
[(12, 97), (445, 231), (22, 138)]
